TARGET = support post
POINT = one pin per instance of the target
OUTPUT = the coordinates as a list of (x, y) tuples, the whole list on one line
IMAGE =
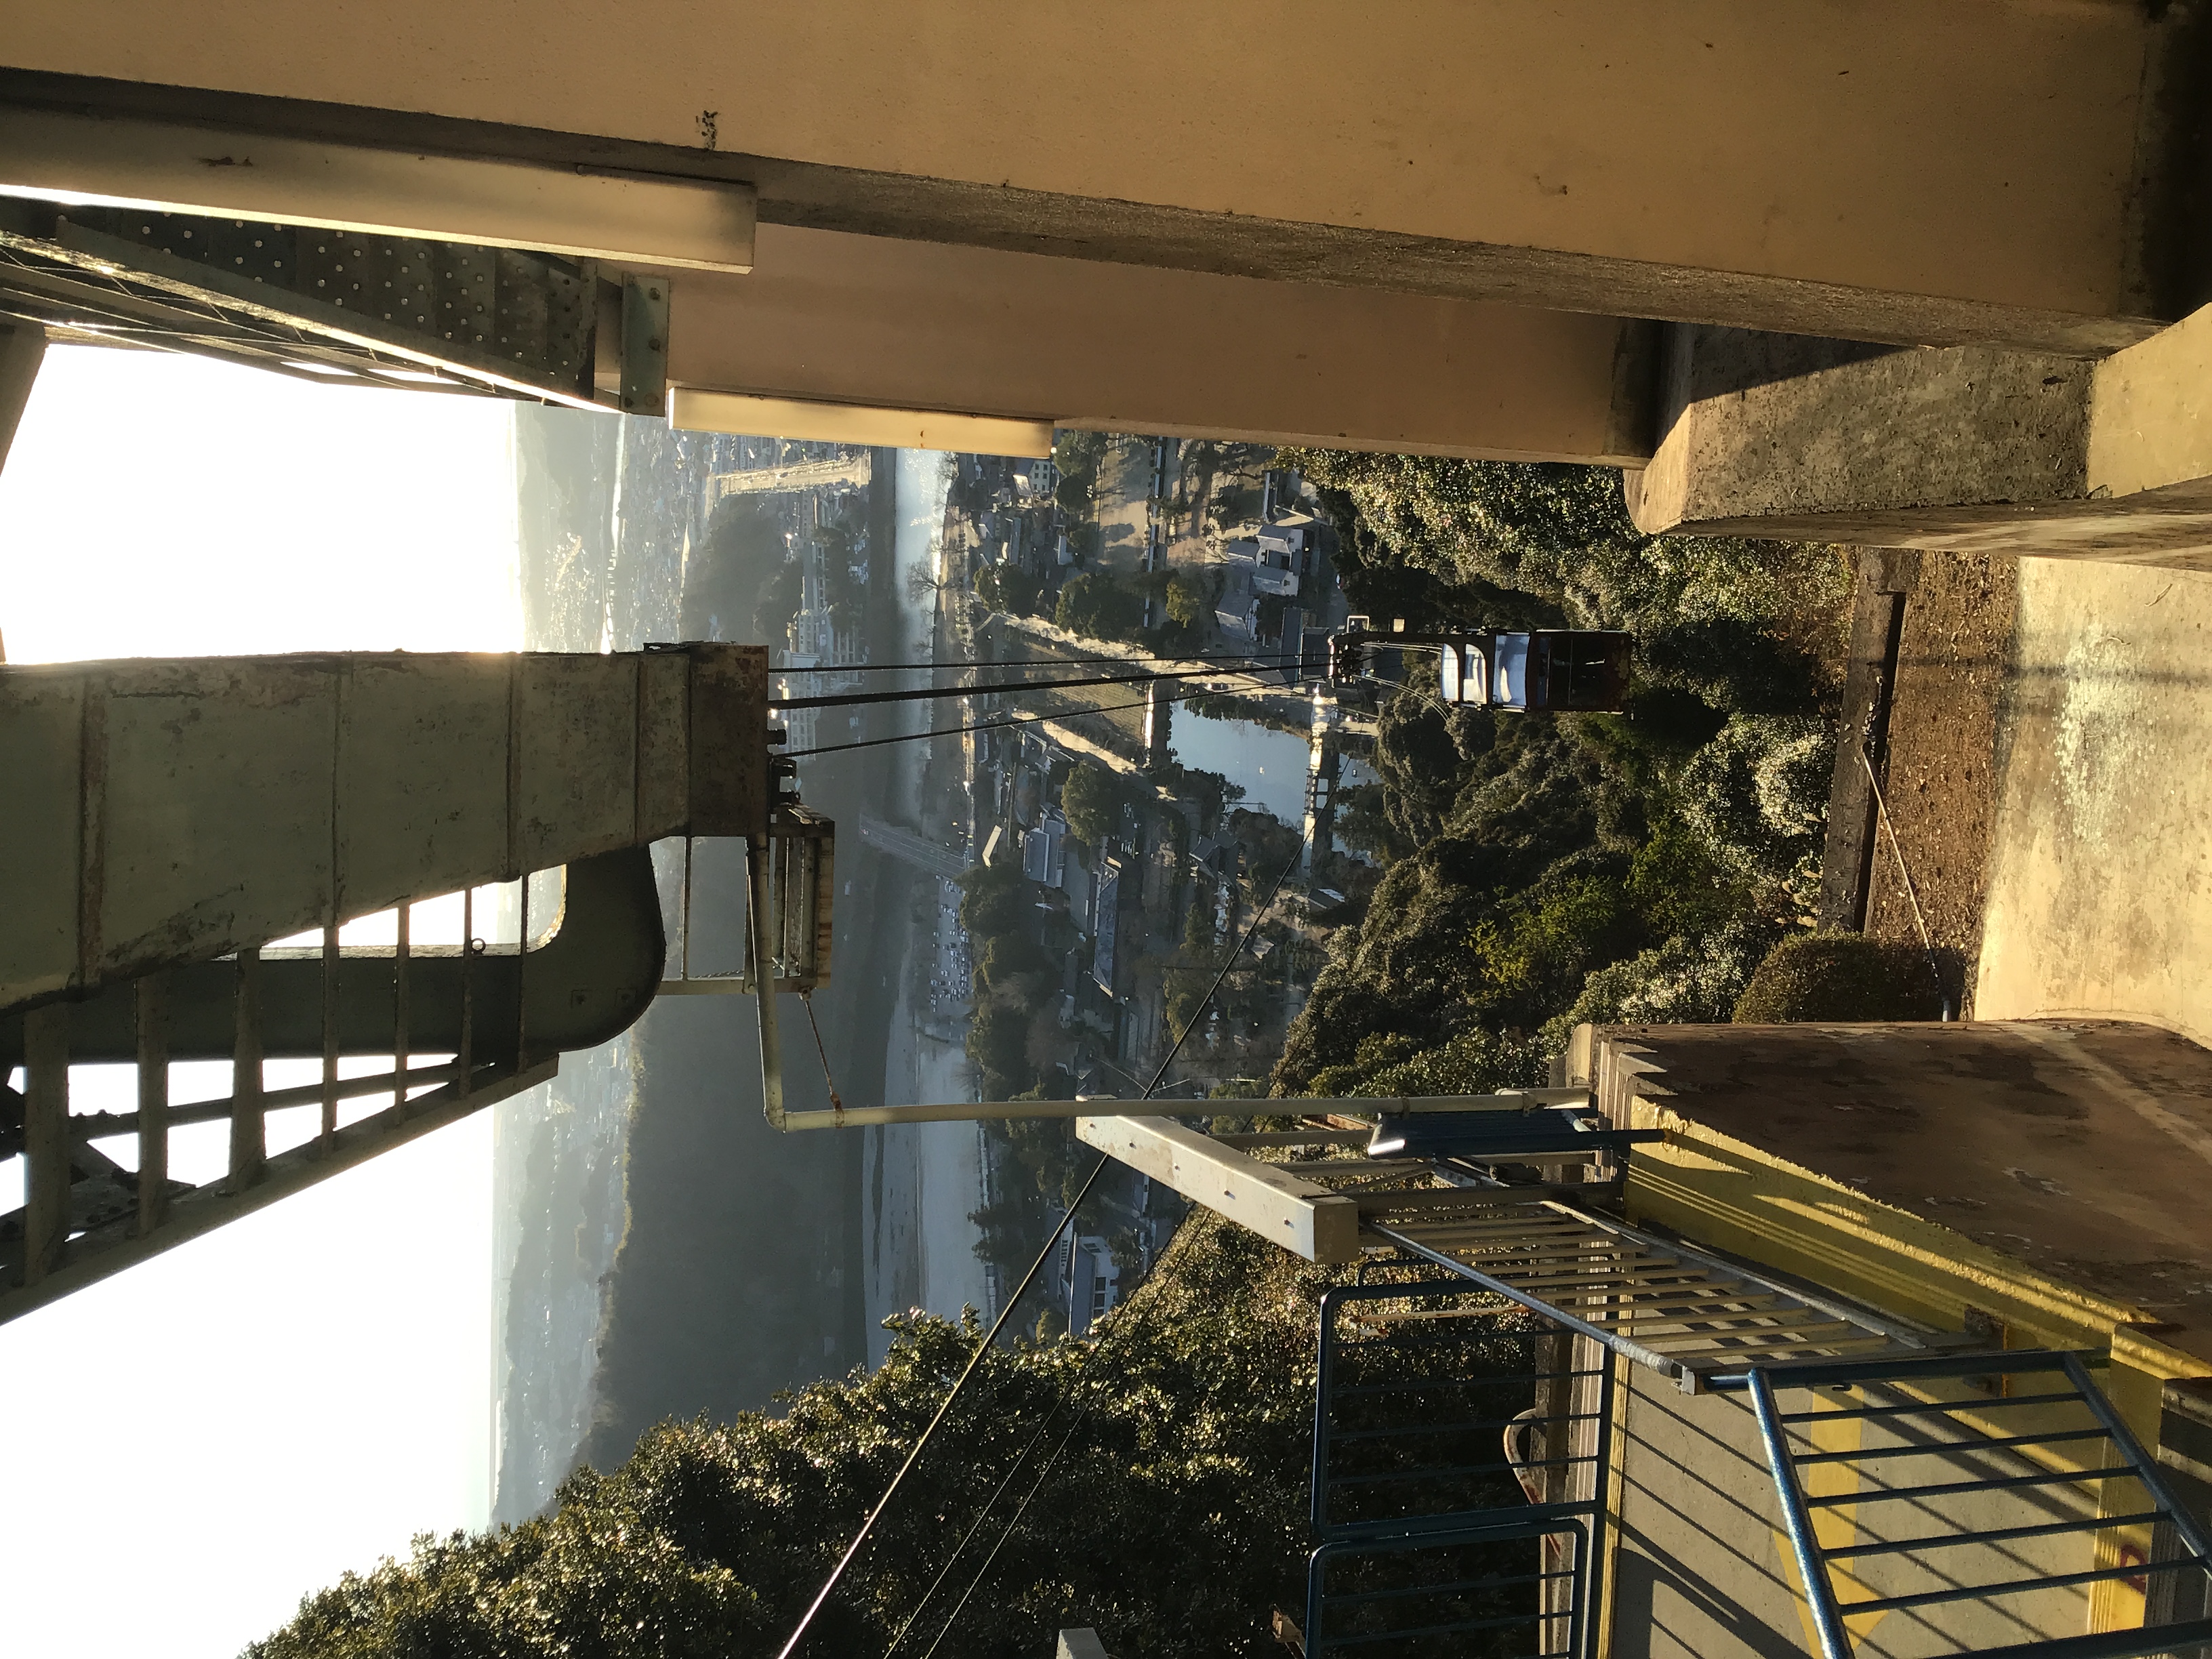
[(330, 1119), (249, 1143), (762, 966), (45, 1139), (464, 1061), (1304, 1217), (401, 945), (153, 993)]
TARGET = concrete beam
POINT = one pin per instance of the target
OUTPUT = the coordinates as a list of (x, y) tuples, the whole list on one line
[(829, 318), (1304, 1217), (173, 811), (1989, 170), (67, 157), (1966, 449)]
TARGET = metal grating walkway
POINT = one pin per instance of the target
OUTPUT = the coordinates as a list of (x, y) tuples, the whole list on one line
[(1680, 1312)]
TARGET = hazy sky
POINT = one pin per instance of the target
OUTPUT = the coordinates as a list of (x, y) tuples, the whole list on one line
[(198, 1441)]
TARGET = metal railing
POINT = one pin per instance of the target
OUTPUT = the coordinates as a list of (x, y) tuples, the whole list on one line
[(1996, 1480), (1681, 1311), (462, 1025), (1461, 1449)]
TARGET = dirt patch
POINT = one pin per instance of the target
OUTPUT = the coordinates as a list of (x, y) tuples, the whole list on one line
[(1954, 662)]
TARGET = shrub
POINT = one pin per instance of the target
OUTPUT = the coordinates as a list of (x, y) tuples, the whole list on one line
[(1758, 792), (1694, 979), (1839, 977)]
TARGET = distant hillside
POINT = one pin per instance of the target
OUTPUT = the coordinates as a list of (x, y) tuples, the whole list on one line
[(564, 463), (739, 1274)]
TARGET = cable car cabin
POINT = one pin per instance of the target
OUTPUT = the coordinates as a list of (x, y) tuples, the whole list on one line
[(1563, 668)]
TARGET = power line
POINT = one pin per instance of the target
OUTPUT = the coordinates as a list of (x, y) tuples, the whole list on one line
[(927, 693), (991, 1336), (1054, 662), (992, 725)]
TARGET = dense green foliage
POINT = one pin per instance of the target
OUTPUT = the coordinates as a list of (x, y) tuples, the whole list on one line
[(1092, 799), (1171, 1518), (1542, 870), (1097, 605), (1841, 977), (1008, 587)]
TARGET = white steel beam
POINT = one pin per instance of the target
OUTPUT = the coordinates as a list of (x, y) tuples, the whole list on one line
[(1302, 1216)]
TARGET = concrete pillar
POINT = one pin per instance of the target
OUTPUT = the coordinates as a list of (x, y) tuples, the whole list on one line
[(22, 348), (1969, 448), (1981, 170)]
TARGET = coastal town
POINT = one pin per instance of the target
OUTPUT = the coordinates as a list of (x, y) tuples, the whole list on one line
[(1083, 864)]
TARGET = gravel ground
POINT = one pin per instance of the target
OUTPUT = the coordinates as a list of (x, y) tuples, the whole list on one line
[(1954, 664)]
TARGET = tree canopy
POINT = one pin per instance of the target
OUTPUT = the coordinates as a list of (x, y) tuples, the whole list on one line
[(1092, 800), (1542, 870), (1168, 1456)]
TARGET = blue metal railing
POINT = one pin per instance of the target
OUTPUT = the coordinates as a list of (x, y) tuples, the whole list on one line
[(1454, 1591), (1935, 1428), (1454, 1437)]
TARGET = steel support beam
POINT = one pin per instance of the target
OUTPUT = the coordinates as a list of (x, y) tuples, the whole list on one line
[(101, 1251), (1302, 1216)]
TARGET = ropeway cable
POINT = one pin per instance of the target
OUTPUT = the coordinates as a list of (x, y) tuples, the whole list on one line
[(1131, 658), (969, 1537), (1005, 1313), (1005, 1532), (928, 693), (993, 725)]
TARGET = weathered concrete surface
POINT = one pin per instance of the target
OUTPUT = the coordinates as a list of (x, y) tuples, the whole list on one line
[(173, 810), (2099, 899), (1120, 347), (1822, 441), (1968, 449), (1888, 169), (2050, 1175)]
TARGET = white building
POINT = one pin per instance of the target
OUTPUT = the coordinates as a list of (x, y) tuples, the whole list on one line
[(1094, 1282)]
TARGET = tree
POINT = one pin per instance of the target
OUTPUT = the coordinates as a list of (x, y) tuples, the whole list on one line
[(1546, 869), (995, 899), (1092, 800), (1188, 601), (1009, 588), (1172, 1451), (1095, 604)]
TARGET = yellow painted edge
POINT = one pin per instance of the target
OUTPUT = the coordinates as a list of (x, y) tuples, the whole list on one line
[(1933, 1273)]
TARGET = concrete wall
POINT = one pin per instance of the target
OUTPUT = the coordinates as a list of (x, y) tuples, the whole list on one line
[(1980, 169), (169, 811), (1967, 449)]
